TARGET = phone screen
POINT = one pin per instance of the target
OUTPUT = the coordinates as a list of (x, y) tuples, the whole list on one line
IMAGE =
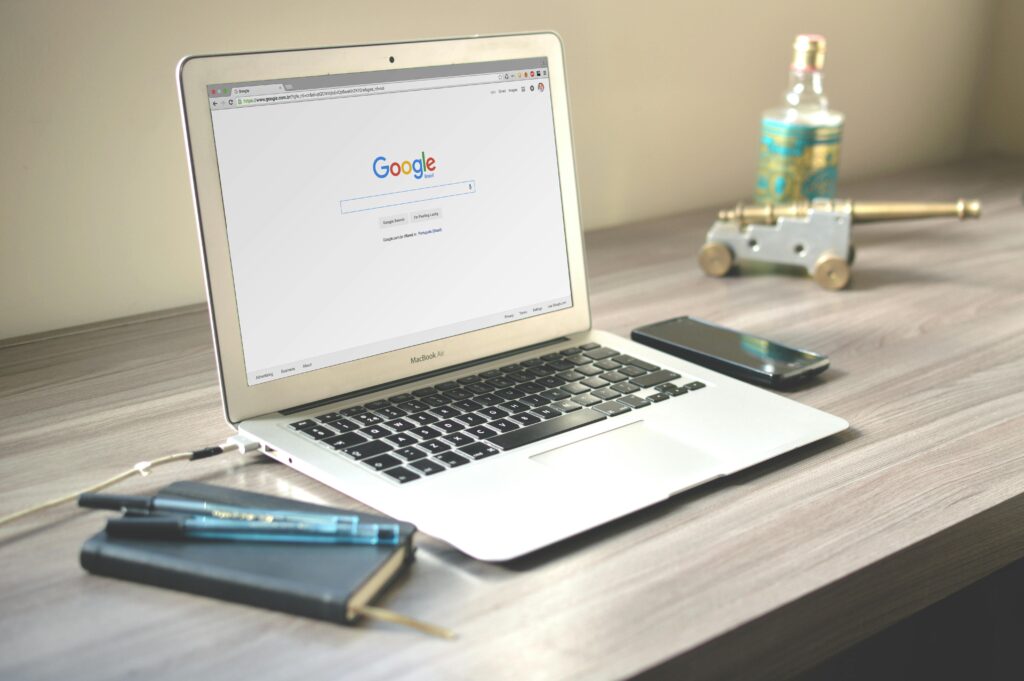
[(734, 347)]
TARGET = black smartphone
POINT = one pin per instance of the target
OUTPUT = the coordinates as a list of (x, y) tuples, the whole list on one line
[(736, 354)]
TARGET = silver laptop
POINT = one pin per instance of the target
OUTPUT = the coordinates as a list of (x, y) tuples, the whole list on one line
[(398, 294)]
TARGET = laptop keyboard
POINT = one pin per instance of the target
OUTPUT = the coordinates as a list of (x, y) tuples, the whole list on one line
[(454, 423)]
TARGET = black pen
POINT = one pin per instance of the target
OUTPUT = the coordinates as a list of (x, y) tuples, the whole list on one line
[(219, 529)]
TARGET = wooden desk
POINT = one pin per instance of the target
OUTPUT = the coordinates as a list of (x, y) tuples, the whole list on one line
[(762, 573)]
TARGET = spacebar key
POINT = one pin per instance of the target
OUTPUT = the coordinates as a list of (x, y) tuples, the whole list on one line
[(539, 431)]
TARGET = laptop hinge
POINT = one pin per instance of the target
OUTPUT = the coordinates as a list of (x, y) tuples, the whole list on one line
[(418, 377)]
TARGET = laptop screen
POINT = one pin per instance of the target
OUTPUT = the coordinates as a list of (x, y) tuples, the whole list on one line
[(375, 211)]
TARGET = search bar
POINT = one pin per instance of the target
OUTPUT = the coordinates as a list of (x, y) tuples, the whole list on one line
[(360, 204)]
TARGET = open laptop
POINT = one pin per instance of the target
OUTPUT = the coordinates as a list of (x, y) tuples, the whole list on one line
[(396, 280)]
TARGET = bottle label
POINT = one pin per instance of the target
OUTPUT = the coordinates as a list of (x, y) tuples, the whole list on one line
[(798, 161)]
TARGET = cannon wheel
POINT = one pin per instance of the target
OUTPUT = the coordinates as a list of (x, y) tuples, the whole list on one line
[(715, 259), (831, 272)]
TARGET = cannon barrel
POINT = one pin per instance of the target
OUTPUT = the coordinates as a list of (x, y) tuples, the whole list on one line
[(860, 211)]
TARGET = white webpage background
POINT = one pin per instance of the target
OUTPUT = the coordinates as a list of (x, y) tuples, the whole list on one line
[(310, 281)]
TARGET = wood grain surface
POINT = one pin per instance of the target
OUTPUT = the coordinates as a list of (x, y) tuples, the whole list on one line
[(760, 574)]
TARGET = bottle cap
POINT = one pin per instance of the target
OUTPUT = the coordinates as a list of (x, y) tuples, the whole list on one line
[(808, 52)]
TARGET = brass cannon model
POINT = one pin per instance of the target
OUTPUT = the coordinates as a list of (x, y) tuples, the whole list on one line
[(814, 235)]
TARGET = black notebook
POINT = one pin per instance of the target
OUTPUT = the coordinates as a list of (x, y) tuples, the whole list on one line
[(329, 582)]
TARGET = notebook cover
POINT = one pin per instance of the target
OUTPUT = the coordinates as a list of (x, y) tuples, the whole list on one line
[(309, 580)]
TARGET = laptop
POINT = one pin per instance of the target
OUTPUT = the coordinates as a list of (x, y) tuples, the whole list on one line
[(398, 293)]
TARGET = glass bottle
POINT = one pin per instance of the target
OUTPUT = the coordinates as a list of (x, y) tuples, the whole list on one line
[(800, 140)]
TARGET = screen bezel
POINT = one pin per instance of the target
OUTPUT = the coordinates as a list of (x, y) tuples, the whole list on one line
[(241, 400)]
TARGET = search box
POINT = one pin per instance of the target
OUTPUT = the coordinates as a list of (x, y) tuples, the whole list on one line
[(360, 204)]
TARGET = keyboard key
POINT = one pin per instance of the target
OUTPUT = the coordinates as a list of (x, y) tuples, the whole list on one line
[(447, 385), (410, 453), (324, 418), (479, 388), (458, 394), (545, 429), (611, 408), (471, 419), (594, 382), (452, 459), (626, 387), (551, 356), (458, 439), (493, 373), (586, 400), (449, 426), (400, 424), (589, 370), (515, 406), (556, 394), (550, 381), (352, 411), (657, 397), (509, 394), (571, 351), (377, 404), (447, 412), (531, 387), (541, 371), (559, 365), (671, 389), (607, 364), (481, 432), (345, 440), (570, 376), (400, 398), (633, 361), (375, 432), (369, 449), (696, 385), (427, 467), (589, 346), (468, 380), (435, 446), (318, 432), (500, 383), (526, 419), (578, 360), (634, 402), (546, 412), (479, 450), (402, 474), (520, 377), (438, 400), (366, 418), (390, 412), (510, 368), (566, 405), (381, 462), (424, 392), (655, 378), (503, 425), (605, 394), (423, 418), (614, 377), (489, 400), (468, 405), (493, 412), (343, 425), (401, 439), (600, 353), (425, 432), (413, 406), (575, 388), (534, 362), (631, 371), (534, 400)]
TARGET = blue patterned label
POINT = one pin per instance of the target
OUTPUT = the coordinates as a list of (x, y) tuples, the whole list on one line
[(797, 161)]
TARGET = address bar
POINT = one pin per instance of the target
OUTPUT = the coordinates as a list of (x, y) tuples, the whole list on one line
[(359, 90)]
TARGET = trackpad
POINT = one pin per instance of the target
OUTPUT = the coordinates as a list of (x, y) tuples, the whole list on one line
[(633, 455)]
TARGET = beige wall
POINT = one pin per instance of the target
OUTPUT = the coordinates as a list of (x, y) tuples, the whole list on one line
[(1000, 114), (95, 213)]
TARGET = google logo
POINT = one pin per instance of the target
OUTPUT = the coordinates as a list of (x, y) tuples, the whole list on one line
[(416, 167)]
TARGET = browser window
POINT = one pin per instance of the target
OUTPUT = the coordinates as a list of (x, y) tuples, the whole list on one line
[(375, 211)]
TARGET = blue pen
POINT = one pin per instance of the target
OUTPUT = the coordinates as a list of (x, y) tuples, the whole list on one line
[(218, 529), (128, 502)]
